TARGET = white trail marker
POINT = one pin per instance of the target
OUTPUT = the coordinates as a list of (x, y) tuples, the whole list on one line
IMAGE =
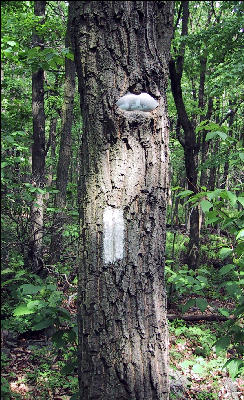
[(113, 234)]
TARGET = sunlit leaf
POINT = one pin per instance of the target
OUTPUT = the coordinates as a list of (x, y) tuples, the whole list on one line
[(233, 366), (22, 309), (206, 205), (226, 268), (225, 252)]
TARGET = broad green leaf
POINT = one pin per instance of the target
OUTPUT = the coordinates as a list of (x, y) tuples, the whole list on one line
[(222, 344), (11, 43), (22, 309), (198, 369), (241, 200), (232, 288), (64, 313), (70, 56), (7, 271), (190, 279), (224, 312), (241, 155), (211, 217), (201, 126), (226, 268), (214, 194), (225, 252), (45, 323), (210, 135), (222, 135), (33, 304), (206, 205), (240, 234), (201, 304), (202, 279), (28, 288), (184, 193), (190, 303), (41, 191), (232, 197), (239, 310), (175, 188), (233, 366)]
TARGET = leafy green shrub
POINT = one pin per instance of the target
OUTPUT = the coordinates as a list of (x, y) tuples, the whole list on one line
[(225, 208), (42, 306), (204, 395)]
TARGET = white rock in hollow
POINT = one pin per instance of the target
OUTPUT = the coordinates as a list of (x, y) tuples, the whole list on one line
[(140, 102)]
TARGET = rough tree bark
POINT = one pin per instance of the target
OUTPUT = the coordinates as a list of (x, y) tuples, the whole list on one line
[(38, 154), (64, 154), (123, 340)]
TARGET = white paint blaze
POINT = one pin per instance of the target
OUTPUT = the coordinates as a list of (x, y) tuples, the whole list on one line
[(113, 234)]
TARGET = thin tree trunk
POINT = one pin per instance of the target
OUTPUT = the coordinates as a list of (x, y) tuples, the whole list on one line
[(215, 151), (64, 155), (224, 184), (205, 145), (123, 339), (38, 154), (52, 144), (191, 147)]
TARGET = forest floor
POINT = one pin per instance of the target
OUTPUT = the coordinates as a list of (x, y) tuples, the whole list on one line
[(196, 371), (34, 369)]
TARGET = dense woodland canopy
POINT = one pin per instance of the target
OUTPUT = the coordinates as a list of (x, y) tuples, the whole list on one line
[(44, 124)]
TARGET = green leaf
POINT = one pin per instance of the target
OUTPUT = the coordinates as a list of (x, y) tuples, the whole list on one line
[(206, 205), (222, 135), (11, 43), (184, 193), (224, 312), (232, 288), (211, 217), (70, 56), (202, 279), (232, 197), (64, 313), (22, 309), (201, 304), (198, 369), (226, 268), (233, 366), (241, 155), (222, 344), (200, 127), (210, 135), (190, 280), (45, 323), (239, 311), (28, 288), (33, 304), (225, 252), (7, 271), (190, 303), (240, 234)]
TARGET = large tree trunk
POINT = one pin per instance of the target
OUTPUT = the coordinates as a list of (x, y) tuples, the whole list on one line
[(123, 337), (64, 155), (38, 154)]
